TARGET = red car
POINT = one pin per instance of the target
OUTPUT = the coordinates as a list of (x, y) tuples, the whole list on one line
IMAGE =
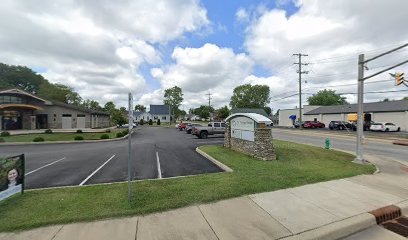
[(316, 124), (182, 126)]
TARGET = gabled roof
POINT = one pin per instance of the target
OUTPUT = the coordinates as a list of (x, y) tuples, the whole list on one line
[(390, 106), (21, 92), (260, 111), (159, 109), (91, 111), (137, 113)]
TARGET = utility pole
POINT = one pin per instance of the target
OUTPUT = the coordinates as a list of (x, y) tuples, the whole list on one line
[(360, 87), (130, 128), (209, 99), (300, 72)]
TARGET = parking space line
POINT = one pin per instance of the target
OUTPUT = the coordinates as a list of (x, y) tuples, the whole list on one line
[(49, 164), (159, 174), (94, 172)]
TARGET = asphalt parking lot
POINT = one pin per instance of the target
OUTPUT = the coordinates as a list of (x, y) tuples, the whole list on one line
[(157, 152)]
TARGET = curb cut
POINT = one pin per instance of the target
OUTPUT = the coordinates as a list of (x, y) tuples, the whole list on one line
[(216, 162), (64, 142), (337, 230)]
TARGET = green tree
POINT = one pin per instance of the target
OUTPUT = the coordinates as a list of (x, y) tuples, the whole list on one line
[(326, 97), (91, 104), (405, 98), (223, 112), (268, 110), (140, 108), (203, 111), (59, 92), (250, 96), (109, 106), (20, 77), (173, 97)]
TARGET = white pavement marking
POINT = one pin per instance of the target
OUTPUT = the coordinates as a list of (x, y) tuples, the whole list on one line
[(99, 168), (159, 174), (49, 164)]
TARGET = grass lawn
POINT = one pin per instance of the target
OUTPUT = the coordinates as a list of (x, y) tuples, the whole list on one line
[(297, 165), (59, 136)]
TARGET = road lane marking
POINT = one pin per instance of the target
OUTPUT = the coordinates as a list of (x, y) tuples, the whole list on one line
[(49, 164), (159, 174), (94, 172)]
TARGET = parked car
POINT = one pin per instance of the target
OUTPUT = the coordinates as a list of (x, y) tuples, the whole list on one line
[(211, 129), (190, 127), (366, 126), (385, 127), (298, 124), (182, 126), (126, 125), (340, 125), (316, 124)]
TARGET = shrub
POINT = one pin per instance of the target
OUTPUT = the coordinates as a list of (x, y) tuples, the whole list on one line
[(2, 140), (158, 121), (125, 132), (5, 134), (141, 122), (78, 138), (150, 122), (104, 136), (48, 131), (119, 134), (38, 139), (107, 130), (79, 131)]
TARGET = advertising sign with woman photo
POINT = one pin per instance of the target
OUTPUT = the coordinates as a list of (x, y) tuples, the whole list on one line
[(11, 176)]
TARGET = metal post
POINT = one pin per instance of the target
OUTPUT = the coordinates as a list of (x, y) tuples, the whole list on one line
[(300, 90), (130, 144), (360, 101)]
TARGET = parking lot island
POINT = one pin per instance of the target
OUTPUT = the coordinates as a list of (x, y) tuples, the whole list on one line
[(247, 133)]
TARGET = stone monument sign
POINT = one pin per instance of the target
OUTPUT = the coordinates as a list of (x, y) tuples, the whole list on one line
[(247, 133)]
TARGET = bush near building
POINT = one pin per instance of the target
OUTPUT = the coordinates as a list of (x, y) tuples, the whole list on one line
[(104, 136), (38, 139), (78, 138)]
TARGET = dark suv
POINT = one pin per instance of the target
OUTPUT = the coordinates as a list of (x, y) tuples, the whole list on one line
[(340, 125), (366, 126)]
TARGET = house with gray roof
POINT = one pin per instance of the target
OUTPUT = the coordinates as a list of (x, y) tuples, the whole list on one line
[(155, 113)]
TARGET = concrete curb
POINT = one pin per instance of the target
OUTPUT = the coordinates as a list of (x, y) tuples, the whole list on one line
[(63, 142), (216, 162), (337, 230), (403, 206)]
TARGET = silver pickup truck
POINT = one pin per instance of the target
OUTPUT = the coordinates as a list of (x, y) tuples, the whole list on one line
[(211, 129)]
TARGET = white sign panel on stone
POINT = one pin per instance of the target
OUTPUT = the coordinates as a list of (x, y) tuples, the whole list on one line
[(243, 128)]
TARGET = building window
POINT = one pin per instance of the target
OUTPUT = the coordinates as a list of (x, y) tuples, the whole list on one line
[(10, 99), (164, 118), (80, 115), (66, 115)]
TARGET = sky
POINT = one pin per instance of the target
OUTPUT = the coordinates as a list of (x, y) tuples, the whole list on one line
[(105, 49)]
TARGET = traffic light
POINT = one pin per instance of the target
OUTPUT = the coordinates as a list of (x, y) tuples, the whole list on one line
[(399, 78)]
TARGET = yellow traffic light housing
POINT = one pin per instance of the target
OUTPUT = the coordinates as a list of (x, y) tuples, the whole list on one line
[(399, 78)]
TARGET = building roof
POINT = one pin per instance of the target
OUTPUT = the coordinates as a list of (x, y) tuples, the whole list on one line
[(137, 113), (254, 116), (159, 109), (390, 106), (56, 103), (91, 111), (260, 111)]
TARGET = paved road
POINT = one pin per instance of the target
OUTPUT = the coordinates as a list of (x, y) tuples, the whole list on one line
[(373, 147), (157, 152)]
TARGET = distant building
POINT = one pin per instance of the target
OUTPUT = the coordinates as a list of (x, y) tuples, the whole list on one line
[(22, 110), (155, 113), (392, 111)]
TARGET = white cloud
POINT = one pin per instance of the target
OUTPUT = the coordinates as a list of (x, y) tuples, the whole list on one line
[(95, 47), (326, 30), (206, 69)]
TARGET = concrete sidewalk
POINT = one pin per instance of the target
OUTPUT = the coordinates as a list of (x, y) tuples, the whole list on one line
[(327, 210)]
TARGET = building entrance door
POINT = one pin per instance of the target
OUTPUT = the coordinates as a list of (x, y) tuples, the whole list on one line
[(66, 121)]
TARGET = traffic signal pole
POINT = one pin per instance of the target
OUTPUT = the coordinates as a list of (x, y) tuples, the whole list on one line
[(360, 98)]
